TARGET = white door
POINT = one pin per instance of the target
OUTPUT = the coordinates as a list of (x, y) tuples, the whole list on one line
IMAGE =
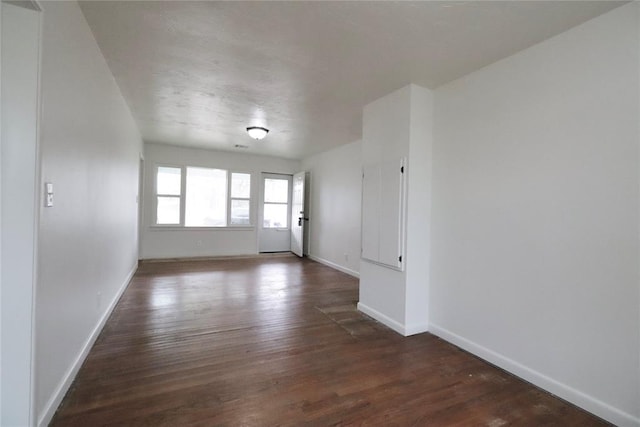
[(297, 214), (275, 213)]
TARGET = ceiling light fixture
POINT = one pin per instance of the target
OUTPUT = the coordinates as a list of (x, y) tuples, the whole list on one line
[(257, 132)]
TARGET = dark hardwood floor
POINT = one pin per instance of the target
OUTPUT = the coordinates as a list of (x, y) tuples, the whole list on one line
[(276, 340)]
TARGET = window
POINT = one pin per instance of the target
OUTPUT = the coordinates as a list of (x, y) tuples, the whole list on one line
[(206, 204), (205, 198), (168, 189), (276, 202), (240, 198)]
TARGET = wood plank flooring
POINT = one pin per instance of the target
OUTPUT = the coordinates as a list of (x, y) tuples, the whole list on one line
[(277, 341)]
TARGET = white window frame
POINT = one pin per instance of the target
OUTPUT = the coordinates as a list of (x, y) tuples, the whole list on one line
[(156, 195), (287, 203), (230, 198), (183, 197)]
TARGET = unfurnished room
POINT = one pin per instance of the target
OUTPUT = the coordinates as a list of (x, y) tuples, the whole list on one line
[(322, 213)]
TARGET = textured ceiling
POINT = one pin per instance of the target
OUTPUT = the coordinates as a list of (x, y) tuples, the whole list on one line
[(198, 73)]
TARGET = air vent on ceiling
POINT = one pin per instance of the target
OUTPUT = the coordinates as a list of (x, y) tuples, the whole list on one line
[(241, 146)]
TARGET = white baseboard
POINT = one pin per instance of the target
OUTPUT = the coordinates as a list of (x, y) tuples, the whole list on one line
[(404, 330), (334, 266), (415, 329), (52, 405), (578, 398), (382, 318)]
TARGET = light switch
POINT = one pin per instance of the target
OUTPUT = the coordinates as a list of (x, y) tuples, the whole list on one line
[(48, 190)]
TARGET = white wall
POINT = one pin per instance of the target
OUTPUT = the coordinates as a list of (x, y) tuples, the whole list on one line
[(20, 53), (394, 126), (418, 239), (335, 199), (173, 242), (535, 215), (90, 148), (535, 210), (385, 135)]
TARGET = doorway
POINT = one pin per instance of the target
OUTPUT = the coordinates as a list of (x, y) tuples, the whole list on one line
[(140, 199), (275, 213)]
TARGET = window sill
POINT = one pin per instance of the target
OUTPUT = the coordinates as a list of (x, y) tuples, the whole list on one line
[(181, 228)]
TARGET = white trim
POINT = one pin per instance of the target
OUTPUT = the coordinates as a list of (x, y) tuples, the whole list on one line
[(263, 232), (334, 266), (32, 168), (212, 257), (589, 403), (140, 202), (181, 196), (1, 401), (382, 318), (184, 170), (416, 328), (37, 214), (230, 198), (188, 228), (62, 388), (638, 236), (403, 330)]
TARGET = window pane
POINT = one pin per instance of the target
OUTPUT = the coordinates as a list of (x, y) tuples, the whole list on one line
[(206, 204), (240, 212), (275, 215), (241, 185), (168, 211), (276, 190), (168, 182)]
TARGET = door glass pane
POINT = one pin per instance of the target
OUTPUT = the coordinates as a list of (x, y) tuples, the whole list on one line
[(206, 203), (240, 212), (241, 185), (168, 210), (276, 190), (168, 182), (275, 215)]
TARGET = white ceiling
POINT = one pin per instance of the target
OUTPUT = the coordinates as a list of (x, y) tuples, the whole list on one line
[(198, 73)]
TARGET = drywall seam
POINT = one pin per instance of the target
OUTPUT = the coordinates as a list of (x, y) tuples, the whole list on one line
[(589, 403), (335, 266), (55, 400)]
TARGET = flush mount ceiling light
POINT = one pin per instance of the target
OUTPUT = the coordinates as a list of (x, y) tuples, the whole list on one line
[(257, 132)]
